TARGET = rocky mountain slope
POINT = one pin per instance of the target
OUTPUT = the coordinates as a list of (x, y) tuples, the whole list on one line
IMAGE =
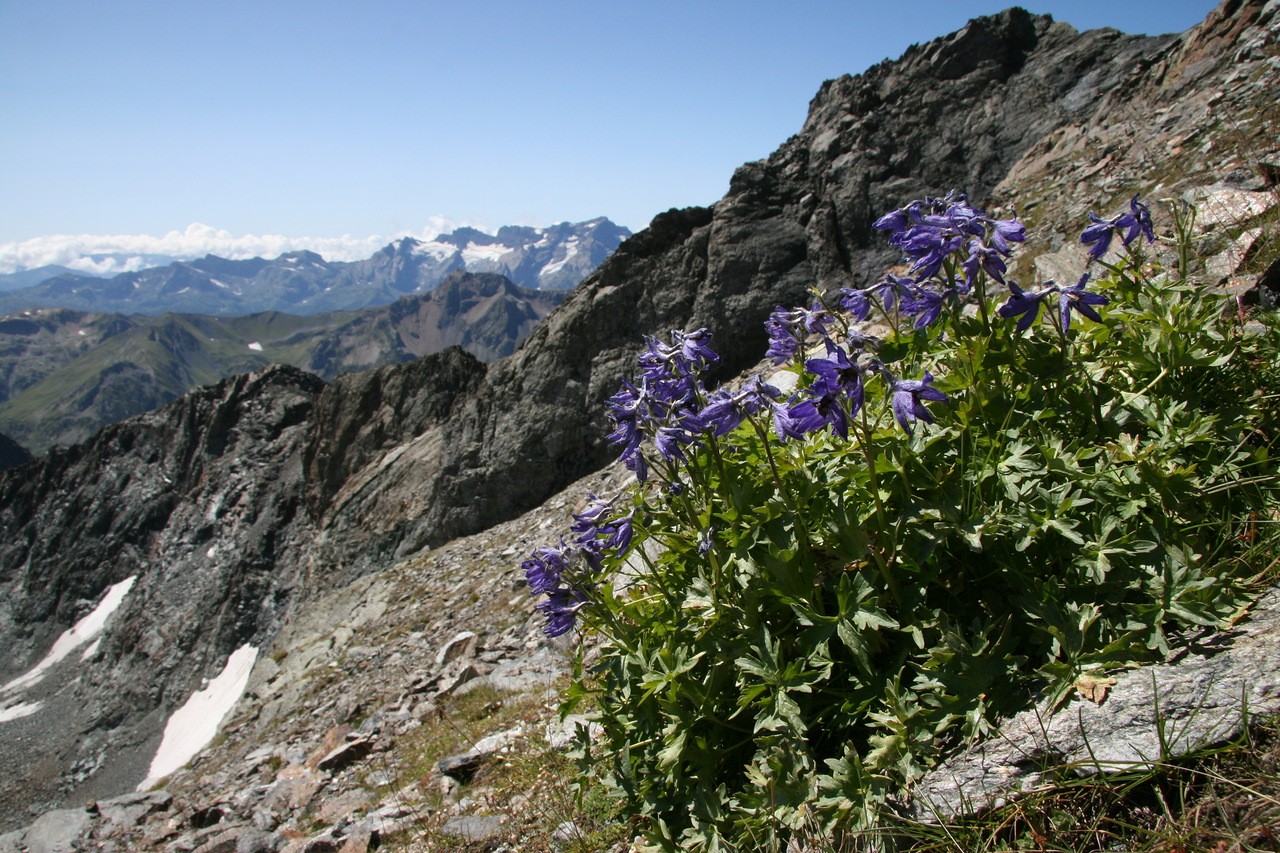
[(554, 258), (65, 374), (320, 526)]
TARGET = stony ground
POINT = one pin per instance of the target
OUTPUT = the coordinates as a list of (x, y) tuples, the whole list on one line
[(415, 704)]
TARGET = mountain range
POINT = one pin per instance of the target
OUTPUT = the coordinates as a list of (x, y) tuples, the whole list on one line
[(65, 374), (552, 258), (357, 540)]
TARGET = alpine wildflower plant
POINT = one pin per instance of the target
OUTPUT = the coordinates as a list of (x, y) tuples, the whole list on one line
[(810, 596)]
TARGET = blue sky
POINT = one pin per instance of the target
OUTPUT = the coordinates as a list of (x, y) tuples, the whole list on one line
[(374, 119)]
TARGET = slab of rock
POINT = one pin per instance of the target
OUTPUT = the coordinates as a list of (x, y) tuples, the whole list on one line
[(473, 828), (334, 809), (332, 739), (346, 754), (1151, 714), (129, 810), (57, 831), (461, 766), (462, 647)]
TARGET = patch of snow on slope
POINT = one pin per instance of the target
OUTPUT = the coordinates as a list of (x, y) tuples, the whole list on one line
[(25, 709), (255, 346), (571, 250), (78, 634), (438, 251), (191, 727), (476, 253)]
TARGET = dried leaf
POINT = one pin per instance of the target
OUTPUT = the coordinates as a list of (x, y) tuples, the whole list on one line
[(1093, 688)]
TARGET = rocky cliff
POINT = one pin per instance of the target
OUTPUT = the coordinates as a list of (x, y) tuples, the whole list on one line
[(267, 504), (957, 112)]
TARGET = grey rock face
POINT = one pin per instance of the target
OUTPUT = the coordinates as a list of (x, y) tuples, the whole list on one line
[(1150, 715), (202, 502), (957, 112)]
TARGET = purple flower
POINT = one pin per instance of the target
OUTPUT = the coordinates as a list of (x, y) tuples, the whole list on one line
[(812, 415), (687, 356), (542, 571), (856, 302), (1137, 221), (924, 304), (783, 342), (1023, 305), (892, 287), (787, 330), (706, 540), (837, 376), (985, 258), (597, 531), (1004, 232), (929, 245), (726, 409), (1134, 223), (785, 426), (894, 220), (693, 347), (1078, 299), (668, 442), (1098, 236), (908, 399), (561, 609)]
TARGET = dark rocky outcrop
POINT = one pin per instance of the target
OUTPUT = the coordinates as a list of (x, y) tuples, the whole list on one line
[(12, 454), (202, 502), (957, 112)]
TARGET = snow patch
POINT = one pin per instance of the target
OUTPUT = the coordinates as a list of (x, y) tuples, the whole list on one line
[(255, 346), (191, 727), (78, 634), (438, 251), (25, 709), (474, 252), (92, 650), (571, 250)]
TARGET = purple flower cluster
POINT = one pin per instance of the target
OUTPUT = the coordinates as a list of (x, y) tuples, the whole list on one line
[(666, 413), (545, 572), (664, 405), (1026, 305), (559, 573), (1137, 221), (931, 230), (950, 244)]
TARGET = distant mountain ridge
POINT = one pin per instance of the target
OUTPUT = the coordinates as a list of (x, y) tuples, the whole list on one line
[(303, 282), (65, 374)]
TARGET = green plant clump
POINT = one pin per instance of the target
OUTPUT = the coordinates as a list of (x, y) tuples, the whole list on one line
[(812, 594)]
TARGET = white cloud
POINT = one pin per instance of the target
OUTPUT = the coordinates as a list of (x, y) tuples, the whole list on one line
[(115, 253)]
